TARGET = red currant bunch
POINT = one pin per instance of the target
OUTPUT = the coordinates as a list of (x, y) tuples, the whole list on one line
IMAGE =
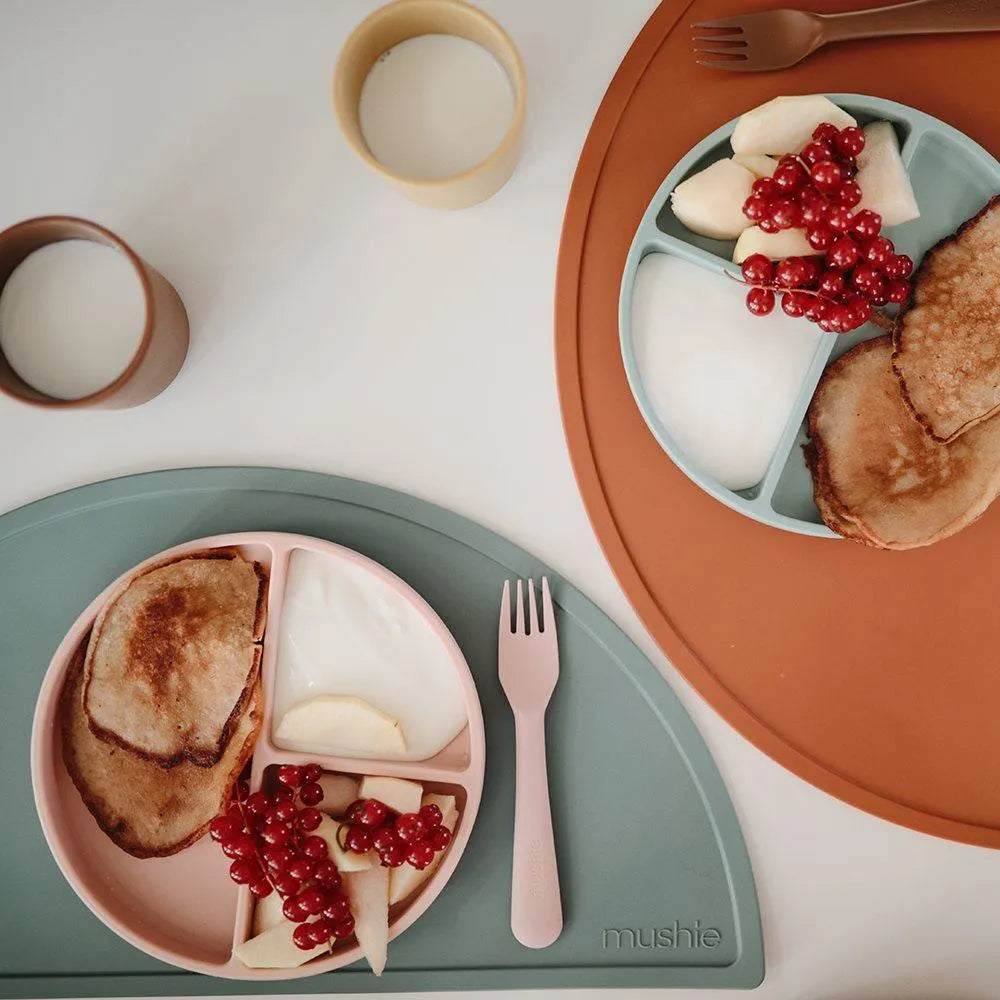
[(855, 267), (399, 838), (270, 838)]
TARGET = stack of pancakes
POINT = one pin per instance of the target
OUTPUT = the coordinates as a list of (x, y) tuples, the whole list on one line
[(904, 447), (161, 707)]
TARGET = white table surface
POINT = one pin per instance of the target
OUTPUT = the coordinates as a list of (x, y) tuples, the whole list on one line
[(338, 328)]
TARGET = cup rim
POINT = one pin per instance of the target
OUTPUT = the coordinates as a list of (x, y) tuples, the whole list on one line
[(108, 238), (516, 76)]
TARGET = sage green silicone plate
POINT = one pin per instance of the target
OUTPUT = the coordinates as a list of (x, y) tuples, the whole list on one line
[(952, 177), (657, 887)]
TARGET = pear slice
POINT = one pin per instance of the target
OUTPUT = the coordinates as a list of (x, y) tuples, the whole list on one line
[(267, 913), (785, 124), (368, 894), (710, 202), (885, 185), (757, 163), (339, 791), (346, 861), (776, 246), (397, 793), (405, 880), (334, 723), (275, 949)]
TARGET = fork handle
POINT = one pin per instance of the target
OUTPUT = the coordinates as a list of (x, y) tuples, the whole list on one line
[(919, 17), (535, 904)]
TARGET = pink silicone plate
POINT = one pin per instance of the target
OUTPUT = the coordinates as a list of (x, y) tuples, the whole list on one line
[(184, 909)]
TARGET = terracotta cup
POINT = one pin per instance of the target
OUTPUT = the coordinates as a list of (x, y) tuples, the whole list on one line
[(164, 344), (395, 23)]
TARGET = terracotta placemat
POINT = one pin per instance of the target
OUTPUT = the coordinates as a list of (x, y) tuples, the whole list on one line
[(873, 675)]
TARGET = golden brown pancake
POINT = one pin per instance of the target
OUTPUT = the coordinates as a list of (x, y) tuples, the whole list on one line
[(174, 655), (147, 810), (947, 340), (878, 477)]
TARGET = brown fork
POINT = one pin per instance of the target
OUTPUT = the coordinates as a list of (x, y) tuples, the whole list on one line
[(774, 39)]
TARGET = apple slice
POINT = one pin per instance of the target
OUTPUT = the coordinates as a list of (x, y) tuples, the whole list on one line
[(339, 791), (406, 879), (396, 793), (267, 913), (885, 185), (757, 163), (785, 124), (346, 861), (710, 202), (334, 723), (776, 246), (275, 949), (368, 894)]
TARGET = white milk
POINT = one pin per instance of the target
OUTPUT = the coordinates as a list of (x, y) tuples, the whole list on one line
[(722, 381), (71, 317), (344, 631), (435, 106)]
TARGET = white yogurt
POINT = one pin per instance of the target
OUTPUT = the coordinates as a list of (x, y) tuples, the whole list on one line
[(344, 631), (721, 381), (71, 317), (435, 106)]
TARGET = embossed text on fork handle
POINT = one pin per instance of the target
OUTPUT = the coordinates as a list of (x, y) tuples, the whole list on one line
[(536, 905)]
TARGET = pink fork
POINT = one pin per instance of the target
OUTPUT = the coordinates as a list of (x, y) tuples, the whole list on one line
[(529, 669)]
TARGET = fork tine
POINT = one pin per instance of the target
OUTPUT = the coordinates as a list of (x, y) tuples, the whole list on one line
[(549, 618), (736, 55), (734, 42), (505, 607), (532, 607), (740, 65), (519, 610), (729, 23)]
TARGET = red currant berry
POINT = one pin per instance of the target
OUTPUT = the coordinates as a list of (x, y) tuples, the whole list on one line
[(878, 294), (897, 291), (257, 804), (315, 847), (848, 194), (760, 301), (286, 811), (864, 278), (311, 794), (785, 213), (277, 858), (827, 175), (843, 255), (243, 871), (765, 187), (861, 312), (839, 219), (897, 267), (312, 900), (344, 929), (357, 839), (878, 251), (337, 908), (290, 775), (814, 310), (276, 834), (831, 284), (814, 214), (326, 875), (384, 836), (353, 811), (311, 773), (302, 938), (757, 269), (373, 813), (819, 239), (240, 846), (421, 854), (235, 813), (308, 819), (768, 225), (850, 141), (793, 304), (261, 888), (302, 868), (756, 207), (283, 794), (410, 827), (817, 151), (292, 911), (321, 930), (394, 855), (788, 273), (827, 131), (431, 815), (440, 837), (789, 177), (223, 828), (286, 885), (867, 224)]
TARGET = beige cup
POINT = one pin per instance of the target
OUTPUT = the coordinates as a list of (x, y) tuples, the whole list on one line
[(395, 23), (164, 344)]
